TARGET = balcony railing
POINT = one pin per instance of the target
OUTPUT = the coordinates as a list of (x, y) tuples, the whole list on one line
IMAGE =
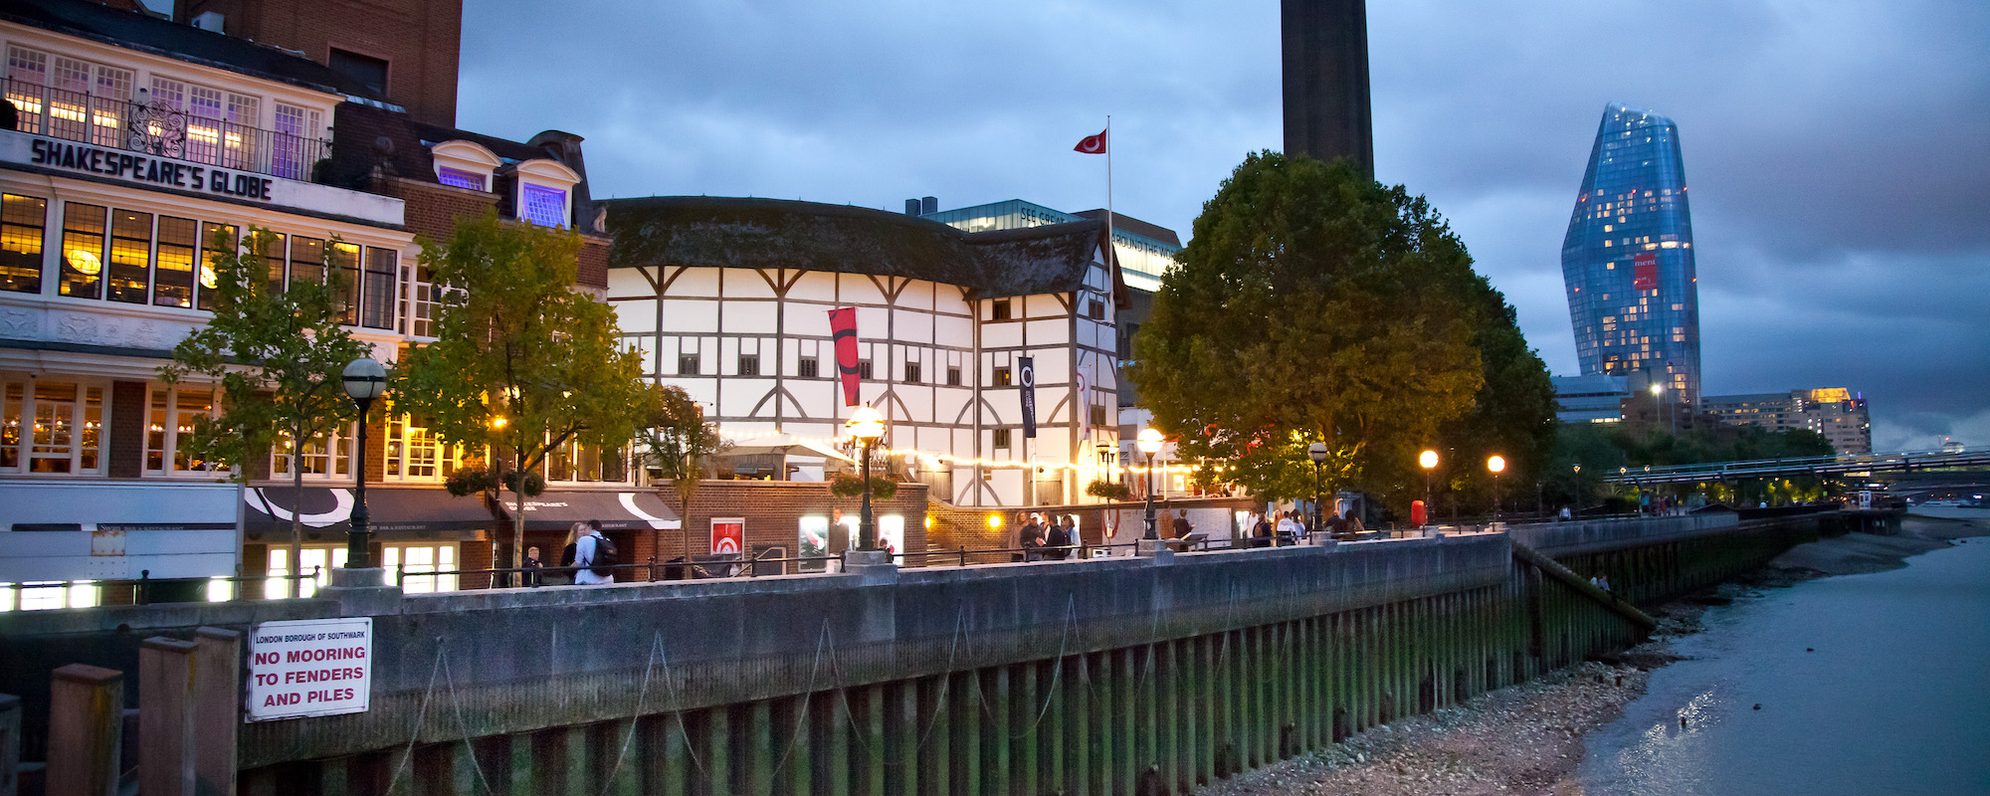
[(158, 129)]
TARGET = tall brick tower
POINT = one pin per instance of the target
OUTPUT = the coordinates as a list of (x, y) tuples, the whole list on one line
[(1326, 81), (406, 49)]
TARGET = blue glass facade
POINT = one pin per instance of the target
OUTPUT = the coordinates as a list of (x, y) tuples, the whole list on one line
[(1142, 258), (1628, 257)]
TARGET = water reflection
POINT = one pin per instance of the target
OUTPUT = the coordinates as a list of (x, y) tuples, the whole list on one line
[(1851, 685)]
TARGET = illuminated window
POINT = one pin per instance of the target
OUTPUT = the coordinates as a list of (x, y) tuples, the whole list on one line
[(342, 263), (46, 595), (169, 422), (321, 559), (172, 284), (50, 427), (83, 238), (294, 145), (544, 206), (324, 456), (414, 453), (414, 566), (383, 267), (460, 178), (21, 227)]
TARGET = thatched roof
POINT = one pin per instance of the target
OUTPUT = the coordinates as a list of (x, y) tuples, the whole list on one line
[(774, 233)]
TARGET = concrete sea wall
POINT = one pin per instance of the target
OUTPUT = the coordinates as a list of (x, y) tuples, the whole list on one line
[(1103, 676)]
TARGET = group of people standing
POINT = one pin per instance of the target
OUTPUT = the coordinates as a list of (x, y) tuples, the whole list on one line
[(1290, 527), (1042, 540)]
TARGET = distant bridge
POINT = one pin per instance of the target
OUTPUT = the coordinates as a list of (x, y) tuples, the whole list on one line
[(1848, 464)]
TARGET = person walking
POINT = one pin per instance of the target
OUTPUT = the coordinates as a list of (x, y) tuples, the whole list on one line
[(1182, 526)]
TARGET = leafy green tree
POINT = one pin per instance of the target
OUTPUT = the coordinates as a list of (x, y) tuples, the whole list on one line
[(1513, 414), (680, 447), (1312, 304), (276, 354), (522, 362)]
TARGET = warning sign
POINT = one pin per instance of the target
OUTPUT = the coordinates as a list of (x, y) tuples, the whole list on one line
[(310, 667)]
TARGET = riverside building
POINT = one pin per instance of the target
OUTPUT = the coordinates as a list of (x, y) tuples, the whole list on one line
[(728, 298), (1834, 412), (1627, 259), (134, 142)]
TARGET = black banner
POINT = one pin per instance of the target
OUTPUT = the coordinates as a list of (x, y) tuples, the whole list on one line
[(1026, 378)]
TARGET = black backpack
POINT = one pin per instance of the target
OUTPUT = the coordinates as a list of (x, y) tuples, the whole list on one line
[(605, 557)]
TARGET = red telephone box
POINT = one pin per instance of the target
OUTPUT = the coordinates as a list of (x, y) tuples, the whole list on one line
[(1417, 514)]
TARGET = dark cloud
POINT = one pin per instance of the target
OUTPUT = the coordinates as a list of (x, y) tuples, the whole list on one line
[(1835, 151)]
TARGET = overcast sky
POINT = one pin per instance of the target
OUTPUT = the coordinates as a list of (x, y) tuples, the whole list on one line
[(1838, 152)]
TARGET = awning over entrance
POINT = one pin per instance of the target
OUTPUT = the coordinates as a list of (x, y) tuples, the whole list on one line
[(623, 510), (390, 510)]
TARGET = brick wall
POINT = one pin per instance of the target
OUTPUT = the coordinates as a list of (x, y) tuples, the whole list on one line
[(126, 436), (773, 511), (433, 209), (421, 40)]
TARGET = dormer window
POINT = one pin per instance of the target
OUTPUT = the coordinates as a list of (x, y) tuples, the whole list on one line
[(545, 192), (461, 178), (541, 205), (464, 164)]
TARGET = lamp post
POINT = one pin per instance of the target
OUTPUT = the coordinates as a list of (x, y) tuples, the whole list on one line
[(1318, 453), (1657, 393), (1578, 488), (1150, 443), (1428, 461), (1495, 464), (364, 380), (867, 427)]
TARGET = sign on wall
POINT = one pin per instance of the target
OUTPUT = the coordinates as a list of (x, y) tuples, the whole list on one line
[(1644, 271), (728, 536), (310, 667)]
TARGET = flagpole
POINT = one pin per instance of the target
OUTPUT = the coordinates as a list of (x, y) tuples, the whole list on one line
[(1112, 263)]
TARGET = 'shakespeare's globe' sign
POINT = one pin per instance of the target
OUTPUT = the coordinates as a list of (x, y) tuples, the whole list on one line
[(310, 667), (138, 167)]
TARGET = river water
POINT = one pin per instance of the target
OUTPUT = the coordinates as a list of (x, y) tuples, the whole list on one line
[(1894, 699)]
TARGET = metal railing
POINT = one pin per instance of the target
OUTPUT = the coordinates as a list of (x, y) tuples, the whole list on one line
[(146, 590), (158, 129)]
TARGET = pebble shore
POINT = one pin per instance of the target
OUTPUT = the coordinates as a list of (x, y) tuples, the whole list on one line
[(1528, 739)]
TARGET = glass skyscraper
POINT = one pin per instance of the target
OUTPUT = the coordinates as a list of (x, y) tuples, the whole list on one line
[(1628, 256)]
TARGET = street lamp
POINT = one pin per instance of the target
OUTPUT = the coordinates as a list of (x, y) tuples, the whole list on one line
[(1578, 487), (1318, 453), (1428, 461), (866, 426), (1495, 464), (1658, 391), (1150, 443), (364, 380)]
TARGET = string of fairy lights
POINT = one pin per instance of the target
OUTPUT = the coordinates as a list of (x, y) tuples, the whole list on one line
[(938, 460)]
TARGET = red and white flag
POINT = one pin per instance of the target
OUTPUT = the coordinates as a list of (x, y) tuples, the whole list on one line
[(1092, 144)]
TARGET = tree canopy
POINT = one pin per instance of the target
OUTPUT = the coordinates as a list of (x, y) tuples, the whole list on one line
[(1313, 304), (276, 353), (522, 362), (679, 445)]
